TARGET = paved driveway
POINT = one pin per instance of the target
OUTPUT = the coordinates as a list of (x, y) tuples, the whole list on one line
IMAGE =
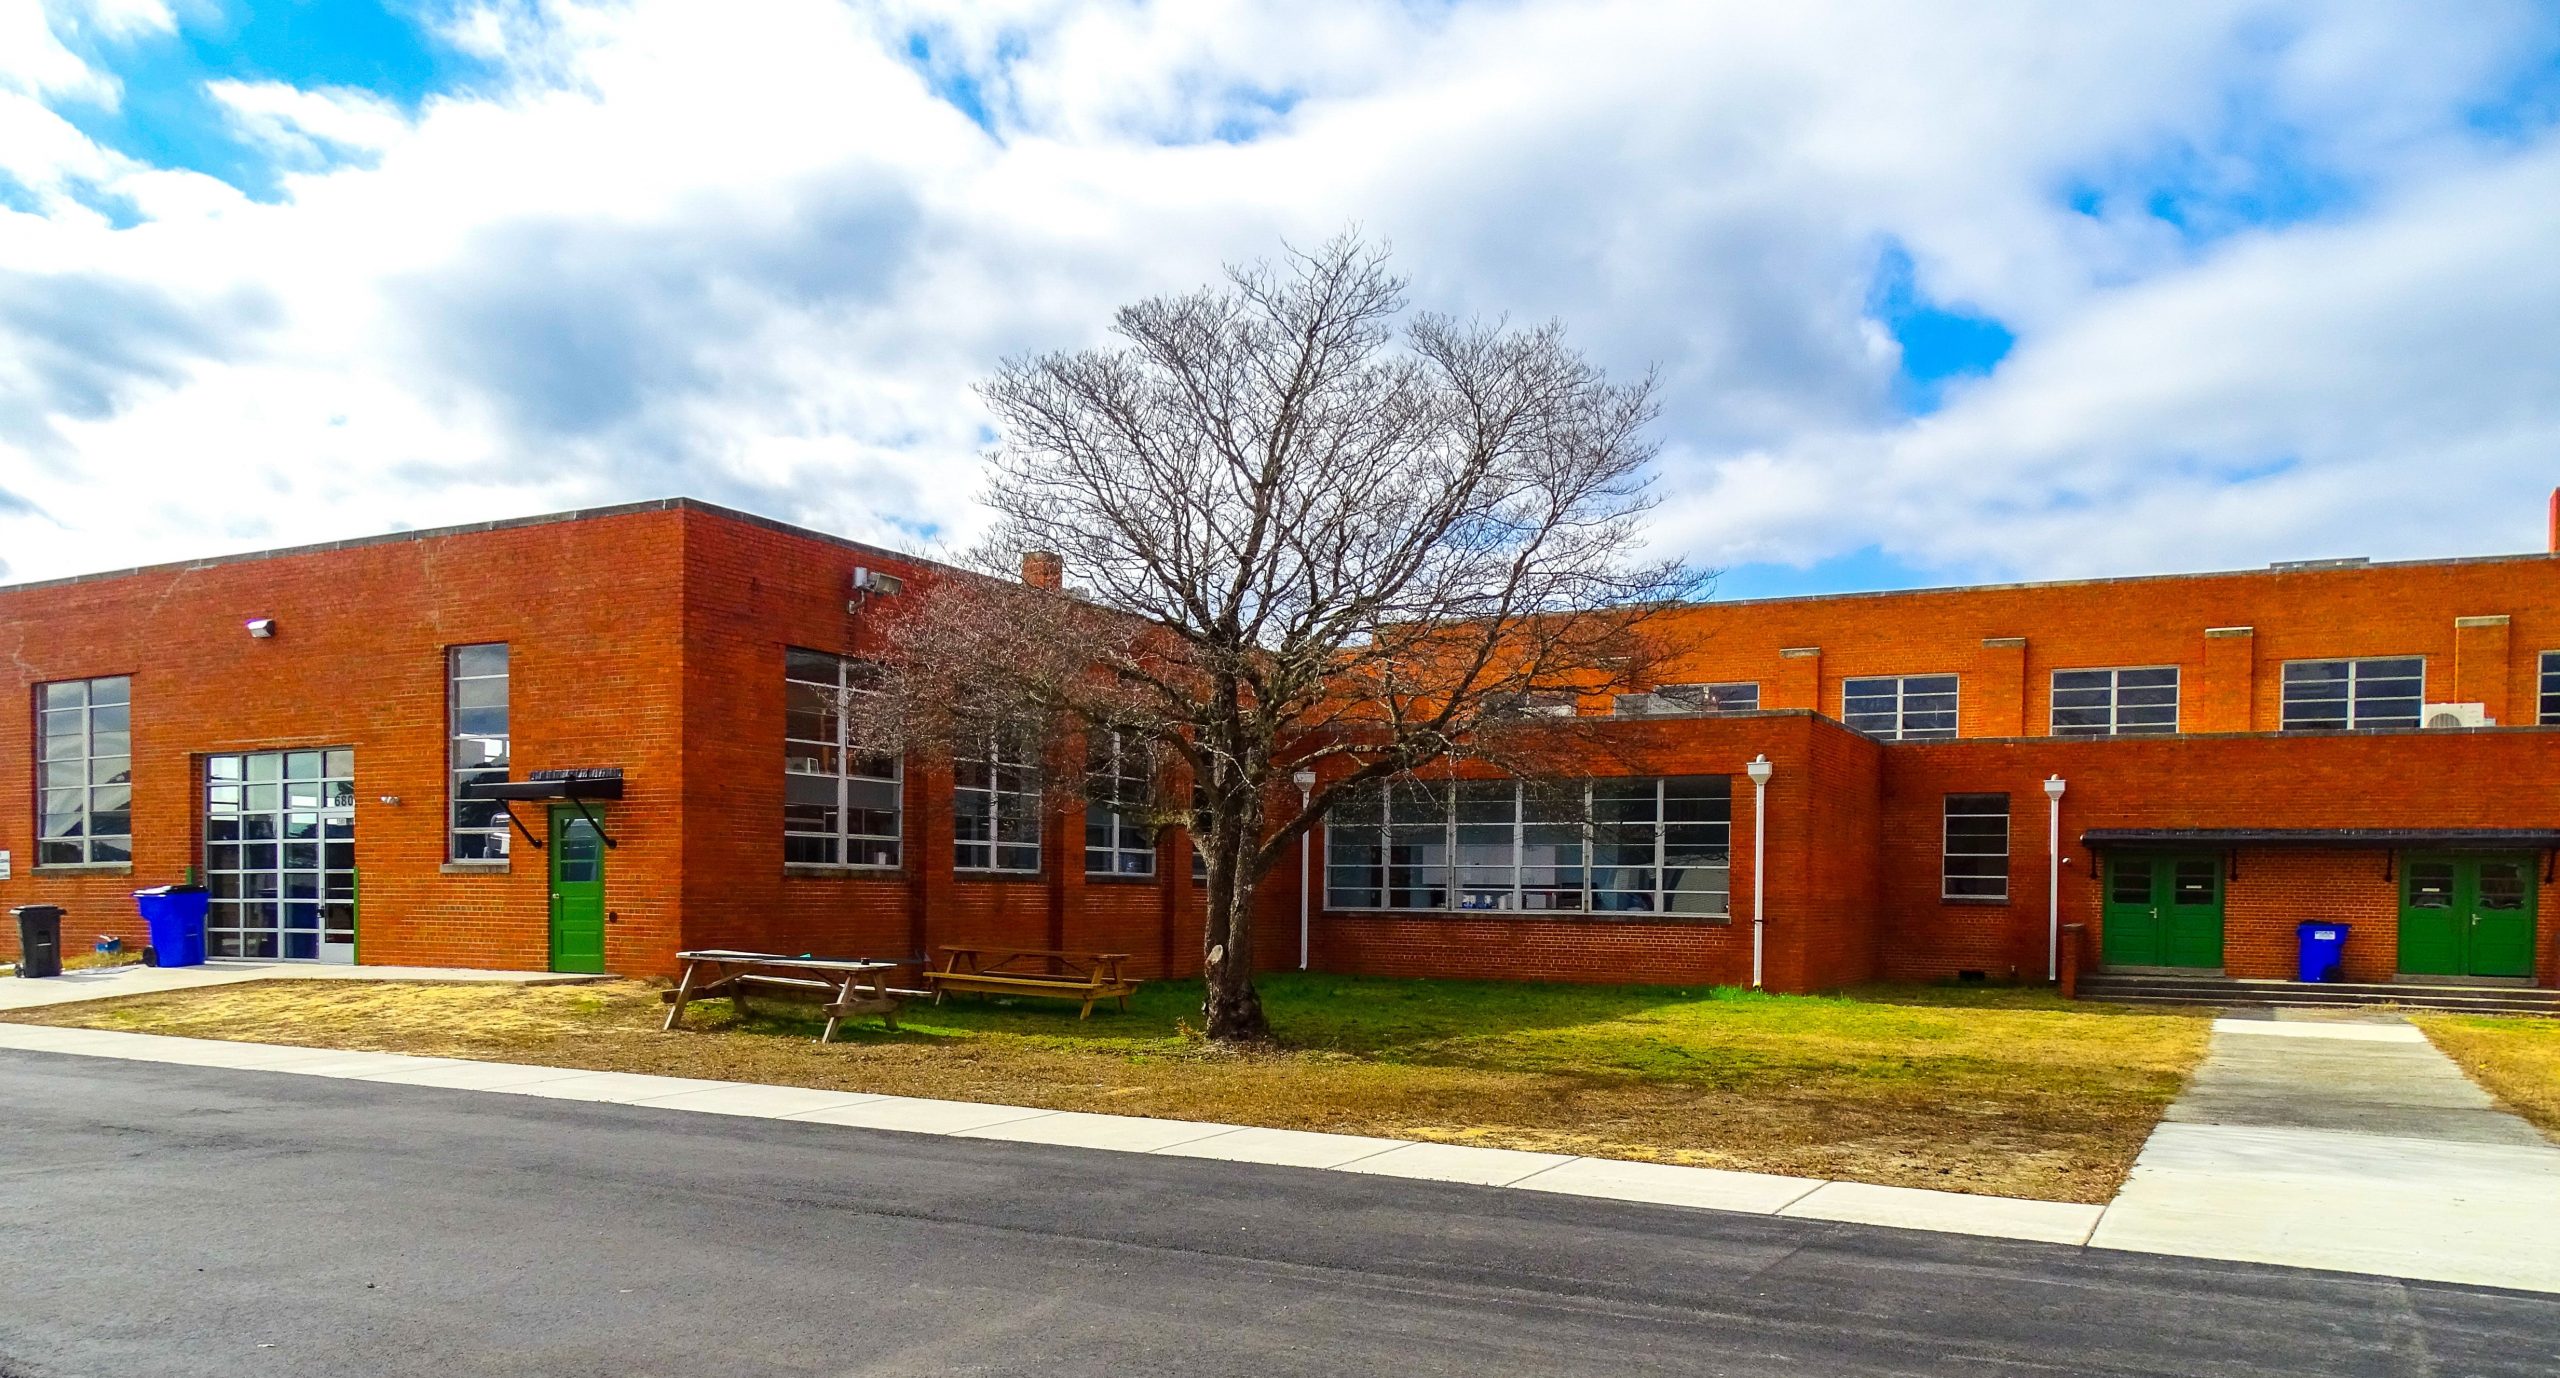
[(2344, 1144), (158, 1219)]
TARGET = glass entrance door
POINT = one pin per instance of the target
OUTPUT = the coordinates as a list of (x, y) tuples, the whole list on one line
[(280, 855)]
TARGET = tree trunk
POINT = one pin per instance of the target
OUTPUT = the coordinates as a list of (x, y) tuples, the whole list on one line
[(1232, 1010)]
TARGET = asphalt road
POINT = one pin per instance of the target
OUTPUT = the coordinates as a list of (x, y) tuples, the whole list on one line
[(170, 1220)]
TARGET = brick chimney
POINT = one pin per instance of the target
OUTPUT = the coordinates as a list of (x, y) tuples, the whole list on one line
[(2554, 544), (1044, 569)]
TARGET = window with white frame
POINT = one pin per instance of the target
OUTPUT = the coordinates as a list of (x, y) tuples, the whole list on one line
[(2354, 695), (2115, 703), (476, 720), (995, 805), (1900, 708), (84, 772), (1730, 697), (1120, 775), (842, 805), (1976, 865), (2550, 705), (1618, 846)]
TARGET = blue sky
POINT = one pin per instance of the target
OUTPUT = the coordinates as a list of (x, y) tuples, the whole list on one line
[(1935, 294)]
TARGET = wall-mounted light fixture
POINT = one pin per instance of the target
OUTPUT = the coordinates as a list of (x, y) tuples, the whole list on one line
[(389, 801), (2053, 878), (1305, 779), (261, 627), (1760, 769)]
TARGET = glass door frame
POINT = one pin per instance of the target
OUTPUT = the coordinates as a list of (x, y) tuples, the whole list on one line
[(279, 854)]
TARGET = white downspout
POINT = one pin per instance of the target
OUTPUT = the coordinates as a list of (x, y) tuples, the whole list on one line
[(1760, 770)]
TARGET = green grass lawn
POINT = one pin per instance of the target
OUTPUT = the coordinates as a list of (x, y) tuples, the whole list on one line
[(2516, 1057), (2001, 1091)]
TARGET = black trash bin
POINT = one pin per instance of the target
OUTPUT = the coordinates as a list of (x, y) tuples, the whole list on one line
[(39, 939)]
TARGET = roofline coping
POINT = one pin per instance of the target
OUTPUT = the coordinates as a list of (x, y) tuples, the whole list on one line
[(476, 528)]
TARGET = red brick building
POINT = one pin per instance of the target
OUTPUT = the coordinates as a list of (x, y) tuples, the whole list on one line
[(317, 733)]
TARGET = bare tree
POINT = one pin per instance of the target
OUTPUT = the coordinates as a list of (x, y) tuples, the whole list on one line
[(1307, 531)]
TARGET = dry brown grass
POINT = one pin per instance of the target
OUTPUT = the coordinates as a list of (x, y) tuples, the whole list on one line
[(1998, 1092), (2516, 1058)]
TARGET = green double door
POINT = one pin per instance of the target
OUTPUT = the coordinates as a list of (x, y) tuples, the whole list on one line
[(577, 892), (2467, 916), (2162, 911)]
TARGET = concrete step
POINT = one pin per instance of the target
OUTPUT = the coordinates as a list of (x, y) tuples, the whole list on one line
[(2223, 991)]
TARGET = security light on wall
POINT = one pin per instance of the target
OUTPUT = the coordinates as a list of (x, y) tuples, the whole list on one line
[(261, 627)]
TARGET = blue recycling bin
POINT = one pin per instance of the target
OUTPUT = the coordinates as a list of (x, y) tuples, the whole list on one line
[(2323, 950), (175, 916)]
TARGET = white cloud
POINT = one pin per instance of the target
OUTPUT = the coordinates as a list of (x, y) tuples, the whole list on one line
[(748, 252)]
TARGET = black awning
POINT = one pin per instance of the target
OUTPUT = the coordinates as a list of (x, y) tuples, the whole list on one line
[(2448, 839), (588, 782)]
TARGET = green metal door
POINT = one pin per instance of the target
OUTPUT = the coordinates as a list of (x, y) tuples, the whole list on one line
[(2432, 923), (2502, 904), (2191, 911), (577, 893), (2162, 911), (2129, 933), (2467, 916)]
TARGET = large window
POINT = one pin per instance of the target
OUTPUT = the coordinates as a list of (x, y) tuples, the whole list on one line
[(1901, 708), (2354, 695), (996, 805), (476, 720), (1657, 846), (1976, 863), (2115, 703), (84, 784), (840, 803), (2550, 705), (1120, 788), (1735, 697)]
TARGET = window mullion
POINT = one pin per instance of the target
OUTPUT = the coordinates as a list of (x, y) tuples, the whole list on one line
[(1590, 846), (1662, 838), (1519, 841)]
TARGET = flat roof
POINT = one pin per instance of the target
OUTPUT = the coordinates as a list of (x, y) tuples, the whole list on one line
[(2296, 567), (2461, 839), (431, 533)]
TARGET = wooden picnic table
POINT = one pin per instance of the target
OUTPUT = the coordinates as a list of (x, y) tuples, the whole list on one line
[(1040, 971), (853, 987)]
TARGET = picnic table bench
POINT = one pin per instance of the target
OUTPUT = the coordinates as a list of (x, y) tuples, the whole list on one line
[(1083, 976), (852, 988)]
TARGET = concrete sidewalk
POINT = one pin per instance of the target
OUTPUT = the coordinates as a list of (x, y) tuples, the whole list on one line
[(2351, 1145), (111, 983)]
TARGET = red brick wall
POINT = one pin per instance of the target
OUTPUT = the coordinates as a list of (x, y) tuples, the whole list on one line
[(588, 608), (2495, 778), (2232, 684), (653, 639), (751, 591)]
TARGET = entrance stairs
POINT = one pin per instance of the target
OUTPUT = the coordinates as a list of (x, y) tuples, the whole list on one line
[(2206, 988)]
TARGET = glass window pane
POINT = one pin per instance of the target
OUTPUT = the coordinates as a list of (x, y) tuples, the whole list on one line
[(2431, 885)]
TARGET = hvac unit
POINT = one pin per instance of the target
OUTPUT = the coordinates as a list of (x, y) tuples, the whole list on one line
[(2458, 715), (1639, 705)]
